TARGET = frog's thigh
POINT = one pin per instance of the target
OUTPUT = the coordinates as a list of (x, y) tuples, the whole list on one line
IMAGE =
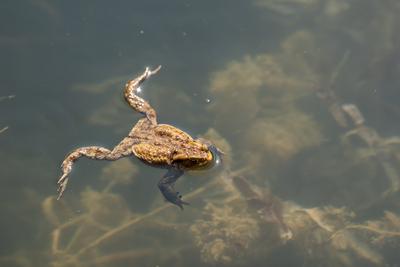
[(151, 153), (123, 149)]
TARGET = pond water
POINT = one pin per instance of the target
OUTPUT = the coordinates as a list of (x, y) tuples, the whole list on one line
[(300, 95)]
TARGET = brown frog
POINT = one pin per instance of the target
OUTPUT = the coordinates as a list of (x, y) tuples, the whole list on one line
[(159, 145)]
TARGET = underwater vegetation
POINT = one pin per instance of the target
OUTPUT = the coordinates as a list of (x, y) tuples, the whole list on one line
[(309, 173), (266, 87)]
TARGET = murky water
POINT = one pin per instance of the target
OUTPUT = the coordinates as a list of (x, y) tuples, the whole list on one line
[(301, 95)]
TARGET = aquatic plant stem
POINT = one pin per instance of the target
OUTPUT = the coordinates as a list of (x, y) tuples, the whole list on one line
[(56, 233), (122, 256), (4, 129), (6, 97), (109, 234), (365, 227)]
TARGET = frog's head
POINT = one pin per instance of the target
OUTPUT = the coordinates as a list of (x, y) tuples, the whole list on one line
[(195, 156)]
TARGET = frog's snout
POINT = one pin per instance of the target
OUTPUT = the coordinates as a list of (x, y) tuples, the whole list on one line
[(217, 155)]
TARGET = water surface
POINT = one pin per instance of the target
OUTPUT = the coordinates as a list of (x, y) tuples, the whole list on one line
[(253, 77)]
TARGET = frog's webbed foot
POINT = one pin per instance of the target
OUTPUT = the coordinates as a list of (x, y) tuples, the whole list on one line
[(66, 167), (166, 186), (62, 184), (92, 152)]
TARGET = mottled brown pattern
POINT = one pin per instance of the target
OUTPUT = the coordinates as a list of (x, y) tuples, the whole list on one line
[(167, 145), (159, 145)]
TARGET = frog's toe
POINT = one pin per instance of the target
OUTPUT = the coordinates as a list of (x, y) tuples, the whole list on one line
[(150, 72), (179, 202), (176, 199), (62, 184)]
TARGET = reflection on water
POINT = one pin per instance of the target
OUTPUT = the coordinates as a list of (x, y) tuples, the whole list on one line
[(301, 96)]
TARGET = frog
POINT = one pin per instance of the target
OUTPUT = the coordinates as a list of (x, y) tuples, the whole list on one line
[(158, 145)]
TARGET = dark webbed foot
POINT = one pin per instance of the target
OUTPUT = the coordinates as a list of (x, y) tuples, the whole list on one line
[(166, 186)]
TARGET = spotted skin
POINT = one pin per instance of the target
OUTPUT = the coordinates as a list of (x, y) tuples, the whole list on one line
[(159, 145)]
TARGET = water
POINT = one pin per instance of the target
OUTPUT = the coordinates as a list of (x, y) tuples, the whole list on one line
[(265, 80)]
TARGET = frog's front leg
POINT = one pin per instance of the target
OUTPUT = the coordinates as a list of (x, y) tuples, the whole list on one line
[(136, 102), (92, 152), (166, 186)]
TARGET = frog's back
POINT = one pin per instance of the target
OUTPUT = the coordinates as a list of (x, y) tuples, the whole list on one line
[(171, 133), (160, 144)]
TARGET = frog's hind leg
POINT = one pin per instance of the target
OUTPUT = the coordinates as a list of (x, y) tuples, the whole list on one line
[(92, 152), (136, 102), (166, 186)]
